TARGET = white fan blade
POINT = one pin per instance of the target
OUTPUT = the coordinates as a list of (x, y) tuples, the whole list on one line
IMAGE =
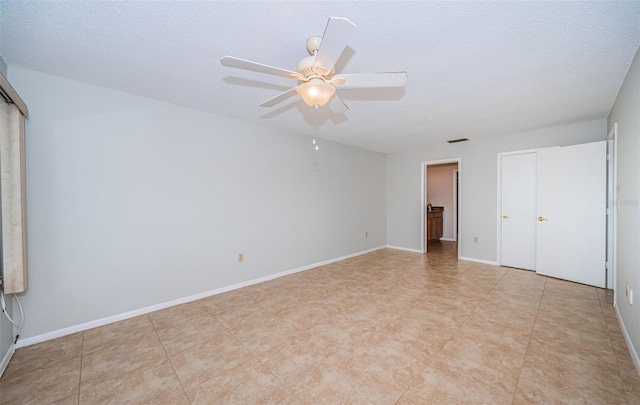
[(389, 79), (230, 61), (337, 105), (337, 34), (279, 98)]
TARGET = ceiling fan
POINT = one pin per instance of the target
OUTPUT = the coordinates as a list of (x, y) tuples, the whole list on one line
[(316, 74)]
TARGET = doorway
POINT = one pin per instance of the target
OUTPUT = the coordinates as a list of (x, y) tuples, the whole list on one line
[(440, 199)]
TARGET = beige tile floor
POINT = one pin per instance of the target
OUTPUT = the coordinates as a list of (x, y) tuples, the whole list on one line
[(389, 327)]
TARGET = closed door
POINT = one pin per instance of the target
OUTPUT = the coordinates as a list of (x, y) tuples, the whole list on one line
[(571, 205), (518, 216)]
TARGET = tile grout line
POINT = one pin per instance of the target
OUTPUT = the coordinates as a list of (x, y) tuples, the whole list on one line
[(458, 328), (605, 323), (212, 314), (479, 303), (469, 316), (450, 336), (80, 374), (515, 390), (615, 355), (246, 348), (168, 358)]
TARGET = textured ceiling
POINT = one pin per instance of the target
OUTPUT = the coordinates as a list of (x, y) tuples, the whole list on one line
[(475, 68)]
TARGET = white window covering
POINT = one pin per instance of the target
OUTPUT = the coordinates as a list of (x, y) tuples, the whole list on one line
[(12, 196)]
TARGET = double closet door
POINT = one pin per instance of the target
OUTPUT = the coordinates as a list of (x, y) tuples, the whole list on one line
[(553, 212)]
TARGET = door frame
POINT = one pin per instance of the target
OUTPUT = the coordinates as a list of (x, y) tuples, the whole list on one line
[(423, 202), (612, 202), (499, 197), (455, 204)]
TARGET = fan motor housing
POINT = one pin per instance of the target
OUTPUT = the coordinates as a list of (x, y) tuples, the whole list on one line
[(313, 44), (306, 67)]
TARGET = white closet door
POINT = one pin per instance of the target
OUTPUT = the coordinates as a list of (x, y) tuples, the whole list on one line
[(571, 204), (518, 216)]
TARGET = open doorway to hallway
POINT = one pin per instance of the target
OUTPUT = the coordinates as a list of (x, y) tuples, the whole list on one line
[(441, 217)]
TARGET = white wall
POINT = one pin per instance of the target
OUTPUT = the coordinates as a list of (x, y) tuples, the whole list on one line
[(626, 112), (134, 202), (440, 193), (478, 183)]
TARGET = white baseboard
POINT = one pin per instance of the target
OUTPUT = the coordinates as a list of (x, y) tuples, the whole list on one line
[(469, 259), (627, 339), (447, 239), (7, 358), (126, 315), (405, 249), (473, 259)]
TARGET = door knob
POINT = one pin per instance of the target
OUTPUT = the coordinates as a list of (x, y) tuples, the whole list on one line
[(504, 217), (542, 219)]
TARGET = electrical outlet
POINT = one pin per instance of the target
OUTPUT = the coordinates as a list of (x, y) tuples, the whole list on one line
[(366, 234), (240, 257), (626, 291), (475, 239)]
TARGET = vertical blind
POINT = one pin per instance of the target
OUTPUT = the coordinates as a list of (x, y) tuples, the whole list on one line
[(12, 190)]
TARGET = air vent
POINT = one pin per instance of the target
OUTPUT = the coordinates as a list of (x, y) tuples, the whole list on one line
[(458, 140)]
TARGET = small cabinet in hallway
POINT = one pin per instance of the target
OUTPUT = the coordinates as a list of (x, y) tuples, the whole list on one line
[(434, 224)]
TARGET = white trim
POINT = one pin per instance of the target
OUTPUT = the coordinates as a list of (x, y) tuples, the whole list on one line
[(499, 196), (423, 209), (473, 259), (627, 339), (613, 135), (423, 203), (405, 249), (141, 311), (456, 209), (447, 239), (7, 358), (610, 217)]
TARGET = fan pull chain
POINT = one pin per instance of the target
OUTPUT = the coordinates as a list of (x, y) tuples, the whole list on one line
[(317, 125)]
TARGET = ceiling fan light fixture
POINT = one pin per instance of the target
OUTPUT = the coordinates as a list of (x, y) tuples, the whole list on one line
[(316, 92), (316, 73)]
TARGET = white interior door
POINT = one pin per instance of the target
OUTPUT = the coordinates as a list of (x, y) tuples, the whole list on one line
[(571, 205), (518, 206)]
